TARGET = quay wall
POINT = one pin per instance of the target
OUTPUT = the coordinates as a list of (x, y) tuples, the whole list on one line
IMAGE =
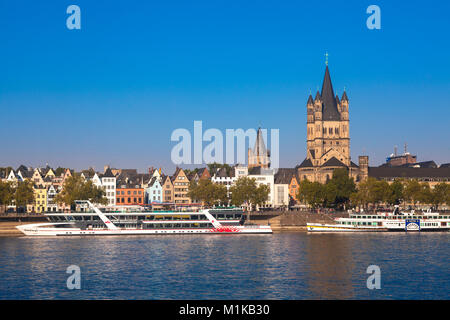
[(8, 224), (292, 220)]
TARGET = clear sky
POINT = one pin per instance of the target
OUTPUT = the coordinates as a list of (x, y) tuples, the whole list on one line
[(113, 92)]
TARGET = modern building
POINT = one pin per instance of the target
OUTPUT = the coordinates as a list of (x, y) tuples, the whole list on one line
[(282, 181)]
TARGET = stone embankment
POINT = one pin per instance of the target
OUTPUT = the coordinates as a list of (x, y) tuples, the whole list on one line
[(8, 224), (292, 220)]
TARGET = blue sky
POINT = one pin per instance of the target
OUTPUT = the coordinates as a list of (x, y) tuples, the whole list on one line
[(113, 92)]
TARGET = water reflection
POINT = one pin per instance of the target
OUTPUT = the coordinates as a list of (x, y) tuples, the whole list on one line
[(330, 265), (278, 266)]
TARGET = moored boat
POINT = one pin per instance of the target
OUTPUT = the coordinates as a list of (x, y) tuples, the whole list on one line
[(392, 221), (92, 221)]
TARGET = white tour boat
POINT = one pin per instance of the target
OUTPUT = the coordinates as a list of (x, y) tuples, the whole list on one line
[(137, 221), (392, 221)]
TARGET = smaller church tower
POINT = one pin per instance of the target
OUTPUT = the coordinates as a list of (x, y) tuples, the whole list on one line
[(259, 156)]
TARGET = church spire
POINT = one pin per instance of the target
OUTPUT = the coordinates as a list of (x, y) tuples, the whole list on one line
[(330, 111), (344, 96)]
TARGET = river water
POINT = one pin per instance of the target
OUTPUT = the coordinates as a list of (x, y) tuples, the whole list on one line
[(292, 265)]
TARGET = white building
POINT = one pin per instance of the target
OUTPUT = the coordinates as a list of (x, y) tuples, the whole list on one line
[(264, 176), (108, 181), (282, 180)]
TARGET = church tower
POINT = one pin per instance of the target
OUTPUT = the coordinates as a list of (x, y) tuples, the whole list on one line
[(328, 138), (328, 125), (259, 156)]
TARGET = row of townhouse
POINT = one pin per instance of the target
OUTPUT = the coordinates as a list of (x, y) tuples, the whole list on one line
[(46, 184), (128, 187)]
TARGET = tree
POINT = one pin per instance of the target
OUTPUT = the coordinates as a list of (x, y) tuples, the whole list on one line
[(440, 194), (370, 191), (312, 193), (378, 191), (339, 189), (395, 193), (412, 191), (75, 188), (425, 194), (261, 195), (361, 196), (6, 193), (246, 191), (24, 194), (207, 192)]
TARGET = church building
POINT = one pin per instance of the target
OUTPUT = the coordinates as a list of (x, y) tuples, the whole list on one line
[(328, 136)]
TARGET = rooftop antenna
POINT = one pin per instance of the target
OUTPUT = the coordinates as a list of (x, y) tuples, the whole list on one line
[(406, 148), (326, 58)]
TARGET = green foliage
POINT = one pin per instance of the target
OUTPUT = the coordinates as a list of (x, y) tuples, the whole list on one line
[(6, 193), (412, 191), (75, 188), (246, 191), (339, 189), (373, 191), (440, 194), (24, 193), (312, 193), (335, 193), (207, 192), (395, 193), (425, 195)]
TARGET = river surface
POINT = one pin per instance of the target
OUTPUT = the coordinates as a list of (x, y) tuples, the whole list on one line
[(279, 266)]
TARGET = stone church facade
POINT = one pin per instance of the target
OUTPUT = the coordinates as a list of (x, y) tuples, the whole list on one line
[(328, 137)]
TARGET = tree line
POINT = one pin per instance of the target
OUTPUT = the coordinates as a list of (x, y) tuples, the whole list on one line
[(340, 192), (245, 191), (75, 187)]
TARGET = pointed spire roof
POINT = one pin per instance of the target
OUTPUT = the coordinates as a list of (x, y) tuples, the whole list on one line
[(318, 97), (344, 96), (260, 147), (329, 108), (310, 100), (337, 99)]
